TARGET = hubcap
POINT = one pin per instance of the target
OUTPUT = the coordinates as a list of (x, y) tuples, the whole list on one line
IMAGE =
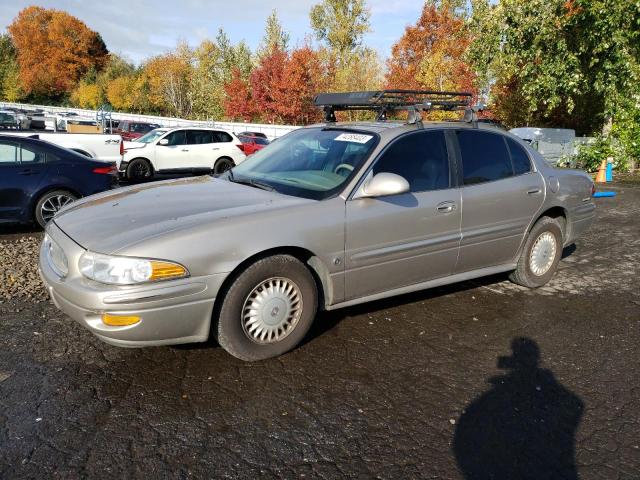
[(272, 310), (51, 206), (542, 254)]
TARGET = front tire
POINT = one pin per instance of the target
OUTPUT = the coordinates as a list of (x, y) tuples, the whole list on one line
[(267, 310), (541, 254), (139, 170), (50, 203)]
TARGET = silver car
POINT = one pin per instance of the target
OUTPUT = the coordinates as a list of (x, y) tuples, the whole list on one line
[(328, 216)]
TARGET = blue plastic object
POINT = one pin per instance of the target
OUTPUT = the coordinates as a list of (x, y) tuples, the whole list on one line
[(604, 194), (609, 172)]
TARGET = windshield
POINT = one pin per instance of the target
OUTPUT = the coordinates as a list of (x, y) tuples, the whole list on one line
[(151, 136), (313, 163)]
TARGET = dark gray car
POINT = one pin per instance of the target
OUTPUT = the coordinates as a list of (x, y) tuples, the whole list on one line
[(329, 216)]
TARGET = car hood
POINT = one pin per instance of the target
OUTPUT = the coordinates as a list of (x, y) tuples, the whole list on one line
[(109, 222), (127, 145)]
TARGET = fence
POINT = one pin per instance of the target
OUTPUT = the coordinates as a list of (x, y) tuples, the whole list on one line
[(271, 131)]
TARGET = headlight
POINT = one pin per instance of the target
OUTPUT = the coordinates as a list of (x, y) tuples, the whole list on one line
[(128, 270), (55, 257)]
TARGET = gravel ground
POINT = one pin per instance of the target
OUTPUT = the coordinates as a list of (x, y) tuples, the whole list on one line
[(19, 278), (454, 382)]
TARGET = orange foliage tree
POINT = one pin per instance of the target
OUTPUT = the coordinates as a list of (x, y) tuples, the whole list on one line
[(266, 80), (301, 81), (55, 50), (430, 54), (238, 103)]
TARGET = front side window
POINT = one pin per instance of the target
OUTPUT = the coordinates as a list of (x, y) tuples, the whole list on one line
[(176, 138), (8, 153), (313, 163), (485, 157), (420, 158)]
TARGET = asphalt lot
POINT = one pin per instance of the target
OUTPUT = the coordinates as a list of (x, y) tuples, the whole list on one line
[(472, 380)]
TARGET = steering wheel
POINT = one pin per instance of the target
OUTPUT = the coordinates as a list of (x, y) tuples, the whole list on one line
[(346, 166)]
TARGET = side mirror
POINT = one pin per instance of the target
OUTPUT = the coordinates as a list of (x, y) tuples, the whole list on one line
[(383, 184), (164, 141)]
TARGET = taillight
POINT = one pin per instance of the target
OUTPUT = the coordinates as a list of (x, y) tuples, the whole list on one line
[(593, 189), (110, 170), (241, 147), (121, 147)]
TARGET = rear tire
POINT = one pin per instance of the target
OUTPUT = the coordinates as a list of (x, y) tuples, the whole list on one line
[(50, 203), (139, 170), (222, 165), (541, 254), (267, 310)]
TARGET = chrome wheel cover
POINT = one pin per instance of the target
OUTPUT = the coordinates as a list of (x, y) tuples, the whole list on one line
[(543, 253), (52, 205), (272, 310)]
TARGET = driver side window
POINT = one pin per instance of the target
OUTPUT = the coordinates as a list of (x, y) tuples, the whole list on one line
[(420, 158), (176, 138)]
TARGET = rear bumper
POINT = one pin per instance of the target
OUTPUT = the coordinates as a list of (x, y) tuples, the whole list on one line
[(580, 220), (171, 312)]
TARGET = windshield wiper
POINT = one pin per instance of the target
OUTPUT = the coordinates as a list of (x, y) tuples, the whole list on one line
[(250, 182)]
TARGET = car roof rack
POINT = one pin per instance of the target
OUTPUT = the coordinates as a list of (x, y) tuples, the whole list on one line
[(387, 101)]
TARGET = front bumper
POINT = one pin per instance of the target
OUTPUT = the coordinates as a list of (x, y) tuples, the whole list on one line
[(171, 312)]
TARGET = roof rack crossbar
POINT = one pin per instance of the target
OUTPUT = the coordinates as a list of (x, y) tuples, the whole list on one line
[(386, 101)]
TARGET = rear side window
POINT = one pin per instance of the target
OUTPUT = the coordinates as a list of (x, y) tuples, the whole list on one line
[(421, 158), (221, 137), (32, 154), (485, 157), (199, 137), (519, 158)]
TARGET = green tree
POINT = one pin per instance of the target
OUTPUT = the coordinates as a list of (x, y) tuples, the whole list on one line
[(275, 37), (341, 24), (9, 72)]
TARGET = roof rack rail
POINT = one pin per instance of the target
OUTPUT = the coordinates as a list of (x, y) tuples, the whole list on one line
[(387, 101)]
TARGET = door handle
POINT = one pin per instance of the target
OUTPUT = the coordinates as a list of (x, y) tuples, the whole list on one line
[(446, 207), (185, 149), (27, 171), (533, 191), (215, 148)]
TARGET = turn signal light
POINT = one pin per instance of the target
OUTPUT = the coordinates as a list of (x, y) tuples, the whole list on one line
[(166, 270), (119, 320)]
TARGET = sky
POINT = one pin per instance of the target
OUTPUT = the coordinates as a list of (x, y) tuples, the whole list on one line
[(139, 29)]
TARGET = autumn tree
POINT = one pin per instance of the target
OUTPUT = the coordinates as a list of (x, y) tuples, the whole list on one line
[(169, 80), (121, 93), (54, 51), (431, 54), (266, 81), (238, 101), (301, 80), (87, 95)]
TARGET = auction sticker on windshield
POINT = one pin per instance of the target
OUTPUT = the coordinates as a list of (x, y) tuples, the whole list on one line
[(353, 137)]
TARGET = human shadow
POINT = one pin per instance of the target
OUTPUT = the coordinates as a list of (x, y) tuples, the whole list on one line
[(524, 427)]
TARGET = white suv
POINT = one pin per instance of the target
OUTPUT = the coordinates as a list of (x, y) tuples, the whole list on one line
[(180, 150)]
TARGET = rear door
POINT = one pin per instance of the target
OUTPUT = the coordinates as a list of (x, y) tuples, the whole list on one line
[(405, 239), (22, 170), (202, 150), (500, 195)]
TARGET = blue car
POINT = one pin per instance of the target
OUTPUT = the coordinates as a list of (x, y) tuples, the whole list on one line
[(38, 178)]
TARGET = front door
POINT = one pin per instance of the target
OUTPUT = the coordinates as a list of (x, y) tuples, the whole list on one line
[(406, 239), (174, 156), (500, 195)]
